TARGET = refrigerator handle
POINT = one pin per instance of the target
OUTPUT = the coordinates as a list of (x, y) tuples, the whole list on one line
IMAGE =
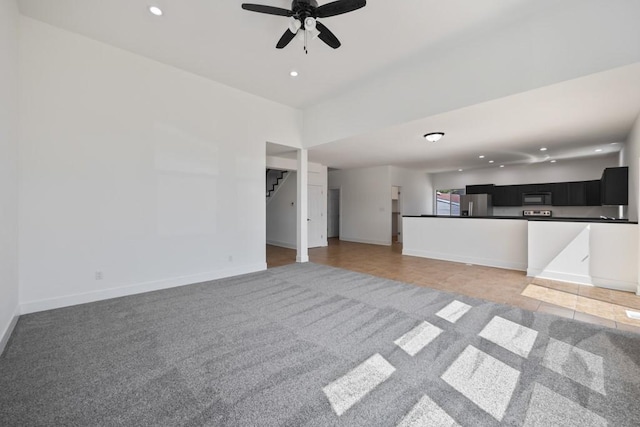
[(470, 208)]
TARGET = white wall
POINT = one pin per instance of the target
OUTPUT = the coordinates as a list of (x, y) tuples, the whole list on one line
[(632, 159), (417, 191), (562, 171), (8, 168), (498, 243), (365, 205), (147, 173), (563, 41), (281, 214)]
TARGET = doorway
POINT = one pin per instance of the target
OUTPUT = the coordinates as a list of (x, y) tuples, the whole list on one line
[(333, 213), (396, 214)]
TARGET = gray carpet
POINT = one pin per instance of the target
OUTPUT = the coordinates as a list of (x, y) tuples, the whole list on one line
[(310, 345)]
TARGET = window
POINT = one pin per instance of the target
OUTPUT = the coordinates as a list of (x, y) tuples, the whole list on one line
[(448, 202)]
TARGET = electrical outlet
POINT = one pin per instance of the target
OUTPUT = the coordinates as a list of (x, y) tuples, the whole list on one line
[(98, 275)]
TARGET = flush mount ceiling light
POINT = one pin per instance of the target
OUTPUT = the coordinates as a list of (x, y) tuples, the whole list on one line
[(434, 136), (491, 161), (543, 149), (553, 161), (598, 150), (501, 166), (481, 156), (293, 73), (155, 10), (459, 170)]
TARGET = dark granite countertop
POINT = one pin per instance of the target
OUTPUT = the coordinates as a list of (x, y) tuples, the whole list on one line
[(553, 219)]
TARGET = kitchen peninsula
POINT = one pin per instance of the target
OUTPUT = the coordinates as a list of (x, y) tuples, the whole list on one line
[(588, 251)]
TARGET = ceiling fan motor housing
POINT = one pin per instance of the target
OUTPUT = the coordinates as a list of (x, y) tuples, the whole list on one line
[(304, 9)]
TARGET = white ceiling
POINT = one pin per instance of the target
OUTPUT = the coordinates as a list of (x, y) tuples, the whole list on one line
[(571, 119), (218, 40)]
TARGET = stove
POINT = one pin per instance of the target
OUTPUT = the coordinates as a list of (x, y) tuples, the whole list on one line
[(536, 213)]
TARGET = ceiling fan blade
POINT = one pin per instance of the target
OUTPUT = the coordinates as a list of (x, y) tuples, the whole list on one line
[(327, 36), (339, 7), (269, 10), (285, 39)]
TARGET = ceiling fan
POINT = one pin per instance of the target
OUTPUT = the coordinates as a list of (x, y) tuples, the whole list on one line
[(304, 15)]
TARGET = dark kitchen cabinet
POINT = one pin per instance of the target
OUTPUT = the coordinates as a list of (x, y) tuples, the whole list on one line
[(480, 189), (560, 194), (539, 188), (569, 193), (507, 195), (614, 186), (580, 193), (593, 192), (577, 193)]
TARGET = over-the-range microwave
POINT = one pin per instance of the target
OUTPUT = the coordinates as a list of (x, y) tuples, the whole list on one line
[(538, 199)]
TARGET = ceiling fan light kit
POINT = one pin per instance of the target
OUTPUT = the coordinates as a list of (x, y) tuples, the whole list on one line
[(304, 16)]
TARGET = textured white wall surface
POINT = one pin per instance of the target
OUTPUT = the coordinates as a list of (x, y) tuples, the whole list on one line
[(8, 168), (147, 174)]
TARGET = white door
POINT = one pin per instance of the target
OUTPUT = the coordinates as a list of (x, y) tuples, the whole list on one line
[(316, 216)]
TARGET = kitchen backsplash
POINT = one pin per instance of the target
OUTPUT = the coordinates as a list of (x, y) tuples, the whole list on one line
[(562, 211)]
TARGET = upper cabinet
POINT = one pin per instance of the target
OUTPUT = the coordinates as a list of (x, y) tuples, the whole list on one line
[(569, 193), (507, 195), (612, 189), (593, 192), (480, 189), (614, 186)]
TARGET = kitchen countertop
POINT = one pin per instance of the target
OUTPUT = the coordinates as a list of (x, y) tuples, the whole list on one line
[(555, 219)]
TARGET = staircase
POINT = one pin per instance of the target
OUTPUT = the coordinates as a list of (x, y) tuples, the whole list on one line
[(275, 177)]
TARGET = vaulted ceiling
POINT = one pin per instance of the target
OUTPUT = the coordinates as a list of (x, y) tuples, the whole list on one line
[(222, 42)]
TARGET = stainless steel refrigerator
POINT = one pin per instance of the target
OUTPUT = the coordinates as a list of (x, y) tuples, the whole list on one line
[(476, 205)]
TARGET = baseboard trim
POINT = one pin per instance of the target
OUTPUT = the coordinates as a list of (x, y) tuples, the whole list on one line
[(507, 265), (618, 285), (366, 241), (282, 244), (4, 338), (561, 277), (69, 300)]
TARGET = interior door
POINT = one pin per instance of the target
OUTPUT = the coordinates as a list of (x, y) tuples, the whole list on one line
[(316, 216), (333, 213)]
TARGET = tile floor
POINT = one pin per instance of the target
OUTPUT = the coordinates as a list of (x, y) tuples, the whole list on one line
[(584, 303)]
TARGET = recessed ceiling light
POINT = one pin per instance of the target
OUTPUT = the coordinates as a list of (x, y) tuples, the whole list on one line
[(155, 10), (459, 170), (501, 166), (490, 161), (293, 73), (543, 149), (598, 150), (481, 156), (434, 136), (553, 161)]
